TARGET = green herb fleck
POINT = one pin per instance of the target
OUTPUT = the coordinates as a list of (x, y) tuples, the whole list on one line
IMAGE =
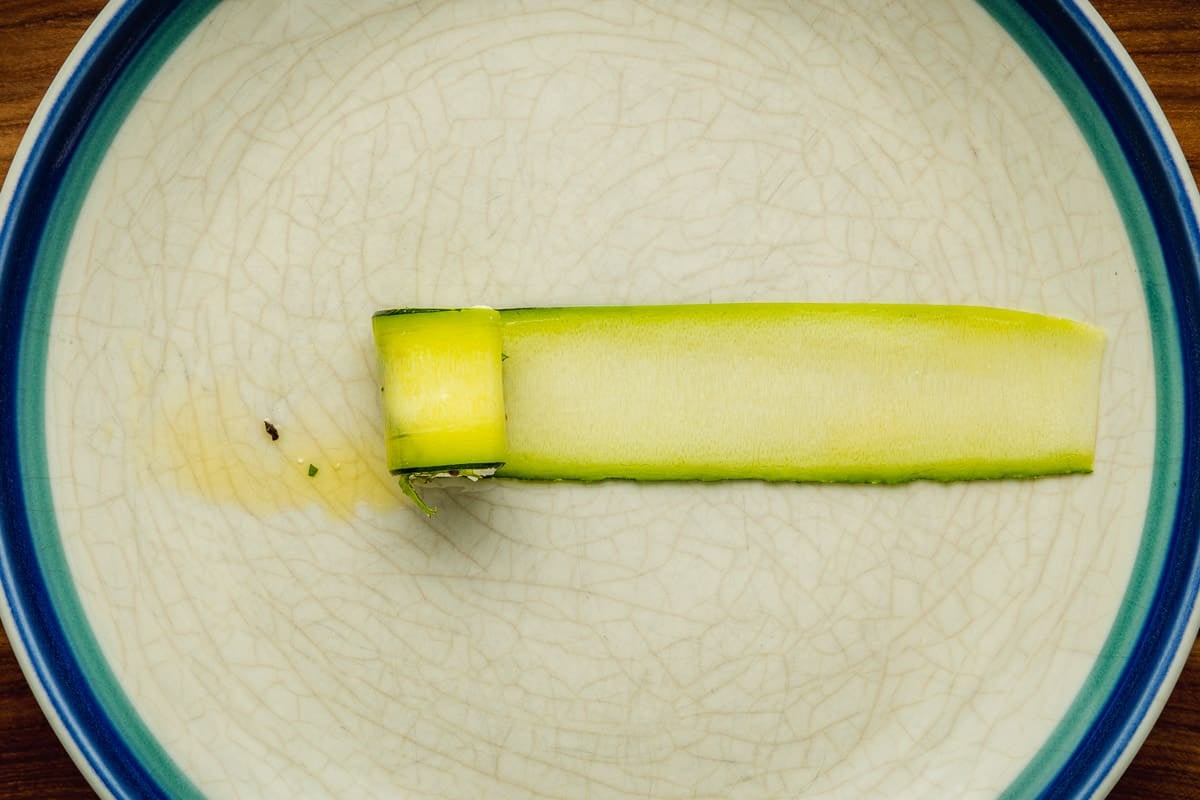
[(504, 356), (312, 470), (411, 493)]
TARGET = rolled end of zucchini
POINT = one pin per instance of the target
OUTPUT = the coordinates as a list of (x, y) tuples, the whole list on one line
[(442, 389)]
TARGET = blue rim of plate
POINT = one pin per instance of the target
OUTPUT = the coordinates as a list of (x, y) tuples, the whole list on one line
[(1095, 80)]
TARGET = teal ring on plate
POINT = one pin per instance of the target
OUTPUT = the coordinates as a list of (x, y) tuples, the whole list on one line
[(107, 738), (1156, 622), (1157, 618)]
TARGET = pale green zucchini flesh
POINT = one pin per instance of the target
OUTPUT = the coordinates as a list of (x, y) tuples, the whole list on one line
[(778, 392)]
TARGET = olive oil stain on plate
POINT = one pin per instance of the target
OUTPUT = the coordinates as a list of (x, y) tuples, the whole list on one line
[(214, 446)]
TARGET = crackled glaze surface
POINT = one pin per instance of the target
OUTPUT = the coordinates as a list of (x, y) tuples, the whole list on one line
[(293, 168)]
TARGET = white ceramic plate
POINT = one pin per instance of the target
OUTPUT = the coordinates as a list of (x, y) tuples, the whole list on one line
[(214, 198)]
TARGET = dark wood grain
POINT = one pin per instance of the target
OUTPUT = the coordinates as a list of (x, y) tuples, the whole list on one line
[(1163, 36)]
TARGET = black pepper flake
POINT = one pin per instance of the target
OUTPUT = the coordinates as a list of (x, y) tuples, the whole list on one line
[(272, 431)]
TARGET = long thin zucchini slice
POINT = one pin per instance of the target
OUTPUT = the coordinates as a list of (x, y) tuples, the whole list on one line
[(777, 392)]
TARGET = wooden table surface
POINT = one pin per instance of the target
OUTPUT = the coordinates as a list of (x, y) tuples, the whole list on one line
[(1163, 36)]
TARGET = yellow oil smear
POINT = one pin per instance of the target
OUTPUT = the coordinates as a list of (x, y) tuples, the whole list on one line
[(213, 446)]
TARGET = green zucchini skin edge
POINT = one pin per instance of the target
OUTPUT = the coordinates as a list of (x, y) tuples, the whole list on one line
[(437, 470)]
